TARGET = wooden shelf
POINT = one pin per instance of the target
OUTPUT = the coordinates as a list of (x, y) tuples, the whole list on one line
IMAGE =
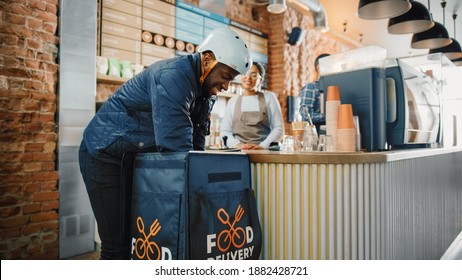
[(110, 80), (118, 81), (226, 95)]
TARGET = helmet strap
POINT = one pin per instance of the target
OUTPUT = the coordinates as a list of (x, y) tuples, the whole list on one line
[(209, 68)]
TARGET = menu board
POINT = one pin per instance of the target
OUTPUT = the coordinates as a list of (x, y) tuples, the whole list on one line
[(120, 30), (143, 32)]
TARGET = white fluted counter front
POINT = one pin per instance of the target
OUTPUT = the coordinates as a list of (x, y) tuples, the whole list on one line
[(386, 205)]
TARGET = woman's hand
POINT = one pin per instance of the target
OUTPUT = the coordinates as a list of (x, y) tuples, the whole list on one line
[(243, 146)]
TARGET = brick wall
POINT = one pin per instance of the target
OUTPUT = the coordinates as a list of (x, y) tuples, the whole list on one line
[(28, 176), (254, 16), (291, 67)]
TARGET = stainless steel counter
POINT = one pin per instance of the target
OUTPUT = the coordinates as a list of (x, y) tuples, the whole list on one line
[(385, 205)]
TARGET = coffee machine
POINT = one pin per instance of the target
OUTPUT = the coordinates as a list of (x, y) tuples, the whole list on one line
[(398, 106), (413, 107)]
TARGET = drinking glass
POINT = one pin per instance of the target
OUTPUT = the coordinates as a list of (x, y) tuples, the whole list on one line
[(288, 144), (298, 139), (310, 139), (325, 143)]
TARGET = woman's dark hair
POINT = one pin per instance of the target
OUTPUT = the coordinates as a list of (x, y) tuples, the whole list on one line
[(261, 69)]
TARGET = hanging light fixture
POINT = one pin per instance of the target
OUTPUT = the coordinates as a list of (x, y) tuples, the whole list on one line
[(379, 9), (416, 20), (433, 38), (311, 8), (451, 51), (457, 62), (320, 20), (276, 6)]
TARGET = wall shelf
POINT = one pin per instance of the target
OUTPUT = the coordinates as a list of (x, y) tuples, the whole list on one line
[(226, 94), (118, 81), (110, 80)]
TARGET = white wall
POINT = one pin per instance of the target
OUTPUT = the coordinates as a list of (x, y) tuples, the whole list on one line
[(452, 102)]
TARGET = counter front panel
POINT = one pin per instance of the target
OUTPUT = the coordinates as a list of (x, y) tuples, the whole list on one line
[(406, 206)]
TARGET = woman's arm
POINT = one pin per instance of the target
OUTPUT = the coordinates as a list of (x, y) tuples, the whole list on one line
[(275, 120)]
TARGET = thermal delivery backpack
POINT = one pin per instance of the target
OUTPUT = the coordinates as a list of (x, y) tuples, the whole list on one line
[(196, 205)]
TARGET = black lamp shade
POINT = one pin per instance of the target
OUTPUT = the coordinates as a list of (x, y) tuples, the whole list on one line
[(451, 51), (433, 38), (457, 62), (379, 9), (416, 20)]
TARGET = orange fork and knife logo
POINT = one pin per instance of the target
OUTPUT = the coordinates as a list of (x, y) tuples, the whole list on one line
[(147, 249), (143, 246), (235, 236)]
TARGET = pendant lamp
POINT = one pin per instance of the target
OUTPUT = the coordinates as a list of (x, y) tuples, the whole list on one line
[(451, 51), (320, 20), (433, 38), (416, 20), (457, 62), (276, 6), (379, 9)]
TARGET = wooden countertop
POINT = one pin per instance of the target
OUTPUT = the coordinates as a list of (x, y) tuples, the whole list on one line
[(263, 156)]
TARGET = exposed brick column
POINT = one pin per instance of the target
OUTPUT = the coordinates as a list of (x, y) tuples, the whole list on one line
[(28, 175), (276, 72), (255, 16)]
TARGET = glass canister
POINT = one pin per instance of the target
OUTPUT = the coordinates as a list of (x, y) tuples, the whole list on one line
[(310, 139)]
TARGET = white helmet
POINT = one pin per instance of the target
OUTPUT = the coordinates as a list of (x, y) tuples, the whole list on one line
[(228, 48)]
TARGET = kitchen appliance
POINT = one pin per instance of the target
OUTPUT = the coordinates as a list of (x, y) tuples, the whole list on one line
[(398, 106), (413, 107)]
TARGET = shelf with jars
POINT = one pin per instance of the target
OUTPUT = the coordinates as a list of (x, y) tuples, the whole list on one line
[(226, 94), (102, 78)]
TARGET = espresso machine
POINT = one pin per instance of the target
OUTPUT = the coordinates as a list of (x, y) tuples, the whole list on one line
[(398, 106)]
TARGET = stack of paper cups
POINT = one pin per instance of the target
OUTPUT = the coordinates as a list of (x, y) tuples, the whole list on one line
[(332, 107), (346, 132)]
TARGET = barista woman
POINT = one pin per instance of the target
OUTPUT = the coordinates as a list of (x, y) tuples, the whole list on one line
[(253, 120)]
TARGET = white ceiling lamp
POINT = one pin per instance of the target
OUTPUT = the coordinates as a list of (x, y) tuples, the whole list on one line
[(276, 6), (320, 20)]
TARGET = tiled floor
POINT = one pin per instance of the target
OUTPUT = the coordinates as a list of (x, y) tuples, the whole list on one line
[(89, 256), (95, 255)]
